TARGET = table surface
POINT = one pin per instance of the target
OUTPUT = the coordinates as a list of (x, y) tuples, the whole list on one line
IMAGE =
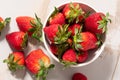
[(106, 67)]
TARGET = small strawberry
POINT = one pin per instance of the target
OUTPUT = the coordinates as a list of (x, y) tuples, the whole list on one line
[(82, 57), (97, 22), (38, 63), (72, 12), (54, 49), (17, 40), (57, 34), (56, 17), (72, 28), (31, 25), (69, 58), (79, 76), (3, 23), (84, 40), (15, 61)]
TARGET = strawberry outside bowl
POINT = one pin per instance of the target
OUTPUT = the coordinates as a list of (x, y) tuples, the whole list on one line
[(93, 54)]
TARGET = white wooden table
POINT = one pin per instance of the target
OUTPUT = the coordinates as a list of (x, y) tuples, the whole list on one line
[(106, 67)]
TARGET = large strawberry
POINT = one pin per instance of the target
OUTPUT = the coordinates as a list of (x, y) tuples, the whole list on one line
[(56, 17), (79, 76), (84, 40), (31, 25), (3, 23), (15, 61), (69, 57), (73, 12), (57, 33), (97, 22), (73, 27), (17, 40), (38, 63)]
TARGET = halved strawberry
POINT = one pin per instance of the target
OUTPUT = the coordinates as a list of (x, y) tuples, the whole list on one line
[(97, 22), (84, 40), (38, 63), (3, 23), (57, 33), (82, 57), (15, 61), (73, 12), (17, 40), (57, 17), (31, 25), (79, 76)]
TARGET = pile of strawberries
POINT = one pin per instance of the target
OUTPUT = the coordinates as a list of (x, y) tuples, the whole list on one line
[(73, 32), (37, 62)]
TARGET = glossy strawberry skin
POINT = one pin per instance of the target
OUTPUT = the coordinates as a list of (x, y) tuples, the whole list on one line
[(82, 57), (57, 19), (69, 55), (89, 41), (79, 76), (73, 27), (91, 22), (53, 49), (15, 39), (51, 31), (23, 23), (19, 56), (1, 19), (33, 59)]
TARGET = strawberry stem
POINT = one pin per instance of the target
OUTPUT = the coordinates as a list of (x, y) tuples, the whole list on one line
[(37, 28), (42, 73), (13, 65)]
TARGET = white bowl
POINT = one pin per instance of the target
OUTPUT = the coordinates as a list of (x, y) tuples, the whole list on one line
[(93, 54)]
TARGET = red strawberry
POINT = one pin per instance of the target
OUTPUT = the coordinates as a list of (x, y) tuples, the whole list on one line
[(56, 33), (15, 61), (79, 76), (53, 49), (3, 23), (57, 17), (73, 11), (85, 41), (72, 28), (97, 22), (82, 57), (38, 63), (17, 40), (31, 25), (69, 57)]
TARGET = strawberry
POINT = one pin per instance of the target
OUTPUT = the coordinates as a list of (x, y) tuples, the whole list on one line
[(79, 76), (53, 49), (56, 17), (38, 63), (15, 61), (72, 28), (84, 40), (30, 25), (56, 33), (97, 22), (3, 23), (82, 57), (72, 12), (69, 58), (17, 40)]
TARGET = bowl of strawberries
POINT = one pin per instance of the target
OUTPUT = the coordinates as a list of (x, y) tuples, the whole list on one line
[(74, 34)]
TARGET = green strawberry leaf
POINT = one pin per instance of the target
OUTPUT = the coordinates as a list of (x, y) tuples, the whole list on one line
[(62, 35), (103, 23), (37, 28)]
